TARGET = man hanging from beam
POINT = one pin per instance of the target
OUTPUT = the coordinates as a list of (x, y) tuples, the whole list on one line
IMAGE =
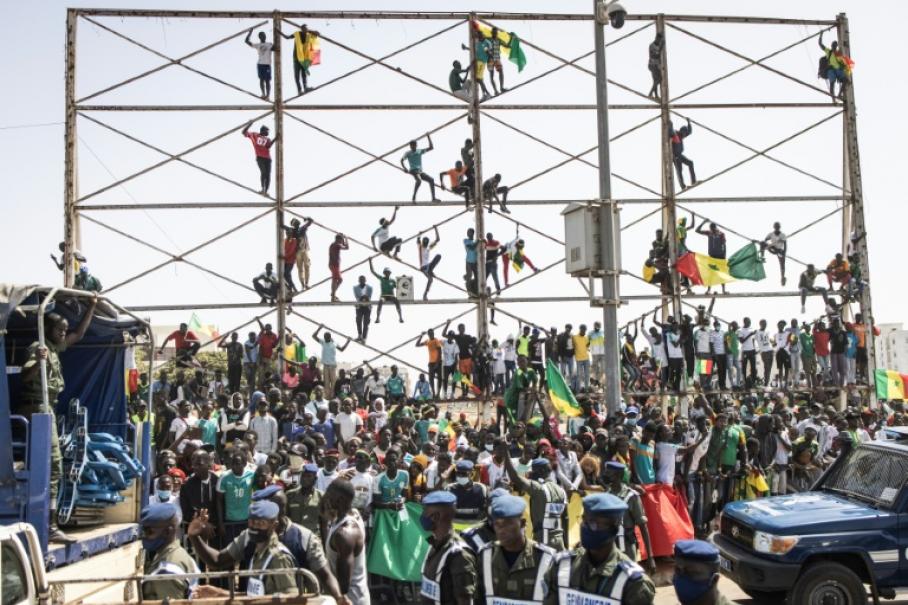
[(680, 160), (262, 145)]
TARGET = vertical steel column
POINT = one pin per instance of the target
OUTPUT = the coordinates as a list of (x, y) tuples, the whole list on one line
[(610, 226), (482, 327), (856, 210), (669, 214), (70, 215), (278, 92)]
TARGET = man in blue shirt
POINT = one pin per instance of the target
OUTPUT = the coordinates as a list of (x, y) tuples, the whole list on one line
[(470, 244), (413, 158), (362, 292)]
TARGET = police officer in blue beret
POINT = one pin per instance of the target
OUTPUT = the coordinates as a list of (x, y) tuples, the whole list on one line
[(304, 501), (512, 567), (449, 569), (548, 500), (163, 554), (471, 496), (479, 536), (634, 517), (597, 572), (697, 573)]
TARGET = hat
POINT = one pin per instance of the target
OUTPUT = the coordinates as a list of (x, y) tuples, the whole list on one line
[(332, 453), (177, 473), (433, 428), (310, 468), (265, 494), (361, 452), (540, 463), (632, 409), (440, 498), (604, 504), (158, 514), (264, 509), (386, 270), (464, 465), (510, 337), (422, 460), (498, 492), (508, 507), (696, 550), (615, 466)]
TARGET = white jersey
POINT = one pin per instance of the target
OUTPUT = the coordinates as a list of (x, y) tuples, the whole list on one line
[(359, 586)]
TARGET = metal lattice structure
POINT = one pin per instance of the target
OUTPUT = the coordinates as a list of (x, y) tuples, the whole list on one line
[(664, 200)]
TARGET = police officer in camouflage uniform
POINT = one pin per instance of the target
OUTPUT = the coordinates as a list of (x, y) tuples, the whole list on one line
[(31, 396), (547, 499), (633, 518), (597, 572), (512, 567), (163, 554), (697, 573)]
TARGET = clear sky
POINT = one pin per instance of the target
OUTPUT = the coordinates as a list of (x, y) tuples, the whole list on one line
[(33, 44)]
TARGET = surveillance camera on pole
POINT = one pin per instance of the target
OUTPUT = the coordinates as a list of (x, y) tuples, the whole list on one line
[(612, 12)]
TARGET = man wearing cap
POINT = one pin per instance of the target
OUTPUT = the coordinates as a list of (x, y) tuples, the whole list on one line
[(328, 472), (258, 544), (449, 569), (471, 496), (597, 571), (513, 567), (480, 535), (164, 555), (697, 573), (304, 501), (634, 517), (547, 499)]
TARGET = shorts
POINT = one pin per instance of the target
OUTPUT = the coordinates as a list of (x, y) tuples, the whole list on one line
[(335, 271), (264, 72), (480, 70), (495, 64), (833, 74), (466, 366)]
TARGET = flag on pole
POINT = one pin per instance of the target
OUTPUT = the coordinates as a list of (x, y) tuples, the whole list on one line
[(398, 545), (465, 380), (203, 331), (746, 264), (704, 270), (890, 384), (562, 398), (510, 45)]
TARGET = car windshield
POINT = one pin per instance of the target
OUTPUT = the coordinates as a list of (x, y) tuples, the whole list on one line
[(871, 474)]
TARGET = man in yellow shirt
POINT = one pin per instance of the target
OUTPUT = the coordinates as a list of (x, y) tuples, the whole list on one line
[(582, 358), (305, 54)]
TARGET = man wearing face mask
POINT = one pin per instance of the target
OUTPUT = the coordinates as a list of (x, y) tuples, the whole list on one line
[(480, 535), (164, 555), (634, 517), (259, 549), (329, 473), (449, 569), (304, 501), (597, 570), (470, 496), (345, 542), (547, 499), (697, 573), (513, 567)]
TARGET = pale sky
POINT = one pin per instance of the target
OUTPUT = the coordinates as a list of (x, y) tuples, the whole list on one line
[(33, 44)]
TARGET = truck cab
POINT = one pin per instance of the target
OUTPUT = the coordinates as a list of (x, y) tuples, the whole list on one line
[(830, 544)]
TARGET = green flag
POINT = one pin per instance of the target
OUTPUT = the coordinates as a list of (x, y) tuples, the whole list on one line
[(746, 264), (559, 392), (398, 545), (516, 55)]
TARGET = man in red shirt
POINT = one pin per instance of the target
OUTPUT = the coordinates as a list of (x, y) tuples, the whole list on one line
[(334, 262), (266, 341), (291, 245), (186, 343), (493, 251), (821, 348), (860, 330), (262, 145)]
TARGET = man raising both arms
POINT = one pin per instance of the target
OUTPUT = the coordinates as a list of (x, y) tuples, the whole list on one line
[(413, 157), (262, 145)]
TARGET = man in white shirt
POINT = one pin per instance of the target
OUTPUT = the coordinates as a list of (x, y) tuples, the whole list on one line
[(764, 345), (657, 350), (264, 425), (675, 357), (499, 378), (449, 355), (263, 66), (717, 340), (318, 401), (783, 358), (777, 244), (328, 472), (363, 481), (347, 423), (703, 351), (747, 338), (180, 425)]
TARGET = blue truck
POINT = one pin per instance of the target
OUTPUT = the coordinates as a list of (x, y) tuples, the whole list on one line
[(845, 538)]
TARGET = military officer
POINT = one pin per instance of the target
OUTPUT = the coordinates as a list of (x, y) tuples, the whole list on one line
[(163, 554), (597, 572), (303, 501), (471, 496), (449, 569), (633, 518), (547, 499), (479, 536), (513, 567), (697, 573)]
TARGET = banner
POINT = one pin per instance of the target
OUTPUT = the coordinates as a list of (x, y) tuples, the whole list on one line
[(667, 518), (398, 545)]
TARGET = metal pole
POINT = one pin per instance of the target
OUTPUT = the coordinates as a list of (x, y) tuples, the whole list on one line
[(279, 191), (70, 217), (858, 226), (610, 226)]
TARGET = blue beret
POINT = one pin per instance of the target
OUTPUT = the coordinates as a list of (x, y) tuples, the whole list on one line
[(508, 507), (540, 462), (632, 410), (498, 492), (265, 494), (464, 465), (696, 550), (440, 497), (604, 504), (615, 465), (264, 509), (160, 513), (309, 467)]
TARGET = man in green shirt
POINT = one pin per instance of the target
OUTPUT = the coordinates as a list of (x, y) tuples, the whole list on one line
[(388, 286), (515, 396), (726, 445), (304, 501), (46, 360), (733, 354), (808, 354)]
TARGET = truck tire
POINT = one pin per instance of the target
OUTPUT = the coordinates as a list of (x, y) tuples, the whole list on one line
[(826, 579)]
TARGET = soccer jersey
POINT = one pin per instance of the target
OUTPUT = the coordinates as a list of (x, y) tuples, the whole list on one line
[(237, 492), (389, 489), (261, 144)]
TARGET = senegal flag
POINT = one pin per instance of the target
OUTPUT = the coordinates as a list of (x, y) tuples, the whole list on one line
[(704, 270), (704, 366), (465, 380), (512, 51), (562, 398), (890, 384)]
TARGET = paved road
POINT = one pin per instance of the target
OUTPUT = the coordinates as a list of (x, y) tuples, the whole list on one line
[(665, 595)]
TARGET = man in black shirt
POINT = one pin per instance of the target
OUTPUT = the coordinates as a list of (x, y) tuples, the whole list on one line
[(467, 346), (234, 361), (715, 242), (838, 344), (200, 490), (566, 354)]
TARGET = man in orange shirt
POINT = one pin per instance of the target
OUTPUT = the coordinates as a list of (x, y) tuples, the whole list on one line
[(457, 177), (859, 328), (838, 270), (433, 345)]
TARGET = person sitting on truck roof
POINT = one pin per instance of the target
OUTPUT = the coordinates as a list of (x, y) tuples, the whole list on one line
[(164, 555)]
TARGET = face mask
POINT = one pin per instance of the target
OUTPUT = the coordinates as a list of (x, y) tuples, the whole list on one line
[(258, 535), (490, 447), (428, 523), (689, 590), (463, 480), (164, 495), (154, 545), (592, 539)]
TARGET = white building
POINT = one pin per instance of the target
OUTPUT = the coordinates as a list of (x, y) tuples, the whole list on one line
[(892, 348)]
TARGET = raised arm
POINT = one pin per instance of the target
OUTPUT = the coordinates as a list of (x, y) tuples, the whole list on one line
[(393, 215), (315, 334), (419, 341), (372, 270), (246, 128), (74, 337), (437, 237), (431, 146), (516, 480), (344, 348), (820, 42), (248, 36), (700, 228)]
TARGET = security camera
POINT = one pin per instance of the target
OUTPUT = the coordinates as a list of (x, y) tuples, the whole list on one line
[(616, 15)]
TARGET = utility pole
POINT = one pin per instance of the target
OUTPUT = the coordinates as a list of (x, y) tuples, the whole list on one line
[(610, 226), (279, 187)]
